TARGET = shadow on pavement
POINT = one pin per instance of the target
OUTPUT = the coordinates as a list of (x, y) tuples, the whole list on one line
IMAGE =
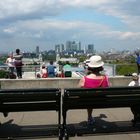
[(9, 130), (102, 127)]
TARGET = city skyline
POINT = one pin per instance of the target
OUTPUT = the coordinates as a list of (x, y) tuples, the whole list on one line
[(107, 24)]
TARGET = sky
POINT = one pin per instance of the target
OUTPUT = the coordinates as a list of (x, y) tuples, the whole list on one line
[(108, 24)]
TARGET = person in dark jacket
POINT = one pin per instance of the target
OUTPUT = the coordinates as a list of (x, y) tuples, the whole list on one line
[(18, 63)]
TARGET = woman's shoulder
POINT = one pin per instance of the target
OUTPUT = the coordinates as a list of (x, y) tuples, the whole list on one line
[(94, 76)]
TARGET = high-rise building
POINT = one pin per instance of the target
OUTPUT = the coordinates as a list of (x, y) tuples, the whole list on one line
[(68, 45), (79, 46), (59, 48), (37, 50), (90, 48), (73, 46)]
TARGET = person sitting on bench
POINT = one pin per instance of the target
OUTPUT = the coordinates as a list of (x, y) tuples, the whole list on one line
[(135, 109), (94, 79)]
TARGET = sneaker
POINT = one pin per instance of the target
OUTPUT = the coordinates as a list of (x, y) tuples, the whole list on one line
[(91, 121)]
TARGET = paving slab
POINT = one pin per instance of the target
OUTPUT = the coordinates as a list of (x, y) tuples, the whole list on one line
[(116, 120)]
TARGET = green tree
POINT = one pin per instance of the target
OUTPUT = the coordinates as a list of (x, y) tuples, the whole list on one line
[(125, 69)]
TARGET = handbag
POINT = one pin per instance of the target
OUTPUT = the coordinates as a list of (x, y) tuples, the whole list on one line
[(100, 85)]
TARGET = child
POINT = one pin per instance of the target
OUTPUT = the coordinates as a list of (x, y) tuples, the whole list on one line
[(43, 72)]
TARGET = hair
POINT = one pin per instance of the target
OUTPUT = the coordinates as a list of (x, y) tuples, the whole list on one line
[(51, 62), (10, 55), (95, 70), (43, 66), (135, 77), (38, 75), (67, 62), (17, 51)]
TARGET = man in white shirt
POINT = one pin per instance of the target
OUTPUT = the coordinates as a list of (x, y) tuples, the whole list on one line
[(135, 80), (135, 109)]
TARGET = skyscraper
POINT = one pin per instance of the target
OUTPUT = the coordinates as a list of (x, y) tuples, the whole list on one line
[(59, 48), (90, 48), (73, 46), (37, 50)]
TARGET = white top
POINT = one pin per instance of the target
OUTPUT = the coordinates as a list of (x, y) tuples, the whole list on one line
[(134, 83), (10, 62), (43, 71)]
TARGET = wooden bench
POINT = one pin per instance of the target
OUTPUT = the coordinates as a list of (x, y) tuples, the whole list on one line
[(113, 97), (18, 100)]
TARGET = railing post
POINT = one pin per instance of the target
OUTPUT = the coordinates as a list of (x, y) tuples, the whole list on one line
[(35, 71)]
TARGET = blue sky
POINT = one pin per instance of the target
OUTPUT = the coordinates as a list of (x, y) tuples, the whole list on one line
[(108, 24)]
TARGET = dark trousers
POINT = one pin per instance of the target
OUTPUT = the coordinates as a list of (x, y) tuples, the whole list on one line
[(136, 112), (68, 73), (19, 72), (138, 68), (11, 69)]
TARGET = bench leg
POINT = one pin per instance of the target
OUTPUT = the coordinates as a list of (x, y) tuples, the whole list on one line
[(60, 130), (65, 133), (60, 134)]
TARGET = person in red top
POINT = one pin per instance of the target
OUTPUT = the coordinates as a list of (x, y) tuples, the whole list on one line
[(44, 72), (94, 79)]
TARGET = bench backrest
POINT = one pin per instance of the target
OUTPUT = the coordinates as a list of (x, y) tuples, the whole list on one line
[(80, 98), (14, 100)]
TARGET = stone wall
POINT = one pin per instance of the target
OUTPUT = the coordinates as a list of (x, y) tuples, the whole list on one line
[(54, 82)]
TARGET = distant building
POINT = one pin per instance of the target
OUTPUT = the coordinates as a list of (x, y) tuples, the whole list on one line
[(90, 49), (59, 48), (73, 46), (71, 60), (30, 61), (79, 45), (29, 55), (40, 57), (68, 45), (37, 50)]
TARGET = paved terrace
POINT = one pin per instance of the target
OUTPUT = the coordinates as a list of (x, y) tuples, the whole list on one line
[(111, 124)]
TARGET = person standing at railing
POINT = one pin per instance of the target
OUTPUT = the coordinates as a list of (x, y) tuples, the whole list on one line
[(18, 62), (10, 62), (138, 61), (94, 79)]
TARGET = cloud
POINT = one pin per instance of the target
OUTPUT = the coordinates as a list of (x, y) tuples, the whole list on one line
[(9, 30), (21, 9), (43, 21), (78, 29), (125, 10)]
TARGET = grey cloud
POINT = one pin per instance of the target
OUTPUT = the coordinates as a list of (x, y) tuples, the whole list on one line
[(11, 11), (22, 9), (27, 23)]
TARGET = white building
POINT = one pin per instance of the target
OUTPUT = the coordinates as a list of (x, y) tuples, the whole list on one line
[(71, 60)]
